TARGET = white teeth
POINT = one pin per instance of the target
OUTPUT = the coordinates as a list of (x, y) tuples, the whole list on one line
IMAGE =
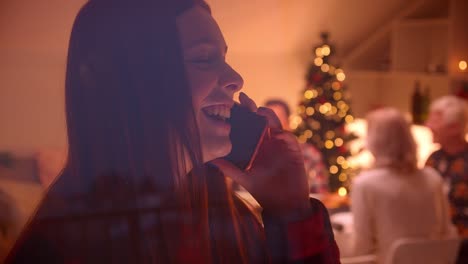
[(220, 111)]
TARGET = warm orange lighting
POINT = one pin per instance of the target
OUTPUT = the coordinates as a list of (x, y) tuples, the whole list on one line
[(318, 52), (333, 169), (339, 142), (301, 109), (330, 134), (302, 139), (323, 109), (340, 76), (295, 121), (349, 119), (337, 96), (329, 144), (343, 177), (342, 191), (336, 86), (340, 160), (325, 50), (325, 67), (462, 65), (318, 61)]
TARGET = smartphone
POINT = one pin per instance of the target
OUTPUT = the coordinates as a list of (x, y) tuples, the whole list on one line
[(247, 132)]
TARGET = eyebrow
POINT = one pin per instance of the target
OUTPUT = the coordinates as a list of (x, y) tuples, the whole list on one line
[(205, 42)]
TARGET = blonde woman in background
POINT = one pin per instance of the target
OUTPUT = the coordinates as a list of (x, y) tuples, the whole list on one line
[(395, 199)]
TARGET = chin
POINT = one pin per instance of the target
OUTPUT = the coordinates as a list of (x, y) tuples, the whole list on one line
[(214, 151)]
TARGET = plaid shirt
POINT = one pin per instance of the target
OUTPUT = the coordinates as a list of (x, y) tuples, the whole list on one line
[(454, 170), (59, 234), (307, 241)]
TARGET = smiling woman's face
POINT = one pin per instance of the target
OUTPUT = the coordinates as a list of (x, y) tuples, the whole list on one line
[(212, 80)]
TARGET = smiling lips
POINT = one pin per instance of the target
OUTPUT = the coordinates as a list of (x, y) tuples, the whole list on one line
[(220, 112)]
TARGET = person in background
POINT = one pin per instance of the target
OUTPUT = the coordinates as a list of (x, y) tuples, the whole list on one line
[(448, 118), (148, 94), (395, 199), (314, 166)]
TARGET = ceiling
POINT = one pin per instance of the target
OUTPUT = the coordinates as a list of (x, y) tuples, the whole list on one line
[(284, 26)]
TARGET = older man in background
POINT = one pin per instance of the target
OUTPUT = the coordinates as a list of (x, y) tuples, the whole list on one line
[(448, 120)]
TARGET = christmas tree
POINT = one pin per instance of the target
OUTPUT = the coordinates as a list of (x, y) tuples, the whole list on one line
[(322, 114)]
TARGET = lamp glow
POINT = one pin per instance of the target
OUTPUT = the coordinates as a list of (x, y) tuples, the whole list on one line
[(462, 65)]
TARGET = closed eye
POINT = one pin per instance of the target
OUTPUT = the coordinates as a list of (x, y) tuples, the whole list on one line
[(203, 60), (206, 61)]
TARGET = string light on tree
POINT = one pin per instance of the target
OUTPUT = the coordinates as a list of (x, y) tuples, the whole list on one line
[(462, 65), (324, 110), (342, 191)]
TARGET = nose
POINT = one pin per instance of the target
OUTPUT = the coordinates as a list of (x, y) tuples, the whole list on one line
[(231, 80)]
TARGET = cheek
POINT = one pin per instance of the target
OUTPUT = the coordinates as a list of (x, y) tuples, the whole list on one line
[(201, 84)]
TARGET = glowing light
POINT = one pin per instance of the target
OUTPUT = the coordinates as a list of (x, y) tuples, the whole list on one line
[(340, 76), (336, 86), (308, 133), (344, 107), (339, 142), (302, 139), (334, 169), (318, 52), (343, 177), (314, 93), (337, 95), (326, 50), (310, 111), (295, 121), (301, 109), (462, 65), (329, 144), (318, 61), (349, 119), (340, 160), (323, 109), (308, 94), (339, 71), (334, 110), (330, 134), (325, 67), (345, 165), (332, 70), (340, 104), (342, 191)]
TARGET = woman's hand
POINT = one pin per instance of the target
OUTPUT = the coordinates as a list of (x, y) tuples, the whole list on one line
[(277, 179)]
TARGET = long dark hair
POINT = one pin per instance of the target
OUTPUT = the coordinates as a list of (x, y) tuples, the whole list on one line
[(127, 103), (130, 117)]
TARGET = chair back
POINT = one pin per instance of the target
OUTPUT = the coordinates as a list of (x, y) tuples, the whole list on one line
[(414, 251)]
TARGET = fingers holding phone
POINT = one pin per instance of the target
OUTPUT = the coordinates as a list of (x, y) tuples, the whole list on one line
[(271, 167)]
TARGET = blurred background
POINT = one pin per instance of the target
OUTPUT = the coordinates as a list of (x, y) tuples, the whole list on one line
[(322, 57), (384, 48)]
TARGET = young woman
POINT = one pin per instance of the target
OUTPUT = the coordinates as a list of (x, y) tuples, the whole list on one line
[(148, 92)]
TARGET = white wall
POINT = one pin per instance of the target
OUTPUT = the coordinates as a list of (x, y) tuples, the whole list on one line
[(33, 47), (373, 89)]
